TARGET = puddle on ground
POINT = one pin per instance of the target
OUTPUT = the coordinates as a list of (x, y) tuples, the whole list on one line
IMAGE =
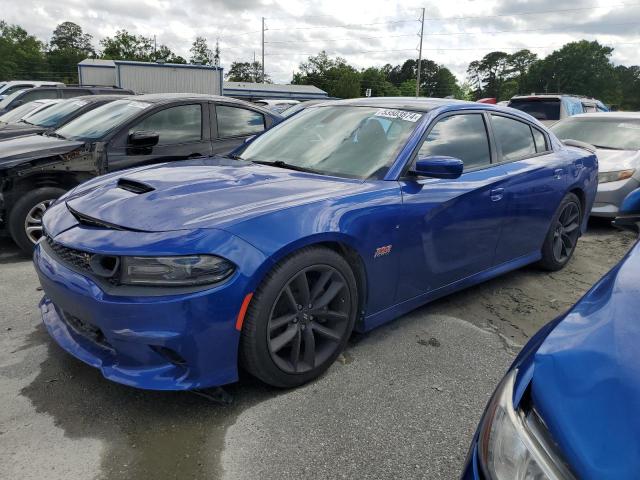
[(147, 434)]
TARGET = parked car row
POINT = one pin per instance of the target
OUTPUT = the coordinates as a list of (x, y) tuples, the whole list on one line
[(551, 107), (84, 137)]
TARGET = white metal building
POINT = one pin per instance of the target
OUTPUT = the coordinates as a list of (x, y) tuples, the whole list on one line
[(149, 77), (93, 71)]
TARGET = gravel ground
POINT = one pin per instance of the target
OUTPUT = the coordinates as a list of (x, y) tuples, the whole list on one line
[(402, 402)]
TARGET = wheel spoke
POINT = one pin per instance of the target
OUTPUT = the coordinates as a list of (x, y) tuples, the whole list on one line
[(571, 227), (31, 219), (309, 348), (33, 229), (334, 288), (320, 284), (295, 350), (302, 284), (292, 301), (567, 243), (557, 248), (571, 219), (325, 331), (276, 323), (329, 315), (283, 339)]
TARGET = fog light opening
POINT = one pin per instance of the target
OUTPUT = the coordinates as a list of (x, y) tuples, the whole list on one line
[(171, 355)]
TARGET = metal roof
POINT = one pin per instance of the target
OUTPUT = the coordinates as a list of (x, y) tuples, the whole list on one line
[(97, 62), (273, 87)]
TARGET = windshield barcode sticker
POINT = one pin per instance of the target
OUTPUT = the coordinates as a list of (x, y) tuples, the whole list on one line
[(401, 114)]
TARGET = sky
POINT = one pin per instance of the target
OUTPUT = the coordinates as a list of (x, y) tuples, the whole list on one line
[(365, 33)]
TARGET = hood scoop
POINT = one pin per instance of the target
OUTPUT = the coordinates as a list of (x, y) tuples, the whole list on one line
[(95, 223), (134, 186)]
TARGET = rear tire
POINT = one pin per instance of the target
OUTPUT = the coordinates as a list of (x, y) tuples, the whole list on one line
[(25, 218), (300, 318), (563, 234)]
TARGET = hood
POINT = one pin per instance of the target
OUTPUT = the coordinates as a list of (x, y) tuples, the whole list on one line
[(11, 130), (201, 193), (614, 160), (586, 378), (31, 147)]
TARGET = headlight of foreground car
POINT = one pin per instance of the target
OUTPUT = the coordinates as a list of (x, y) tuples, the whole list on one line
[(512, 444), (606, 177), (175, 271)]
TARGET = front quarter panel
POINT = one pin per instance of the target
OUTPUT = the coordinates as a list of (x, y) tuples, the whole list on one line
[(366, 222)]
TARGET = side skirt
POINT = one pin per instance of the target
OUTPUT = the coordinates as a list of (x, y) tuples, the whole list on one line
[(388, 314)]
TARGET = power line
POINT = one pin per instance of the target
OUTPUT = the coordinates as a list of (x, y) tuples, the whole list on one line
[(523, 30), (343, 26), (349, 53), (342, 39)]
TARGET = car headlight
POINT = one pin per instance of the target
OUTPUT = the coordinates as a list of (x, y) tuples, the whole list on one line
[(174, 271), (512, 444), (606, 177)]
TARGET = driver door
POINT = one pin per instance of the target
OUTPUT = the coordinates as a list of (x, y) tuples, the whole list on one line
[(183, 132), (451, 227)]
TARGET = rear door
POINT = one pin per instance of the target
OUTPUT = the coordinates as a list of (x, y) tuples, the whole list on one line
[(450, 228), (535, 182), (183, 130), (232, 125)]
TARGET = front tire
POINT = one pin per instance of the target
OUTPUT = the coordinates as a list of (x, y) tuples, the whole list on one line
[(25, 218), (300, 318), (564, 231)]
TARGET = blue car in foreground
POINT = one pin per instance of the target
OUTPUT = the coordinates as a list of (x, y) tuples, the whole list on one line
[(343, 217), (568, 406)]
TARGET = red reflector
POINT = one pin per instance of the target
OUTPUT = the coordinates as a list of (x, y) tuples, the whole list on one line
[(243, 311)]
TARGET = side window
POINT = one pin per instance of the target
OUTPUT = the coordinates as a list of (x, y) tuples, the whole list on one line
[(73, 92), (181, 124), (514, 138), (540, 141), (15, 88), (460, 136), (236, 122), (32, 95)]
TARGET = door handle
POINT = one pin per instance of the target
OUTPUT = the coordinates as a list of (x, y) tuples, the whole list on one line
[(496, 194), (557, 173)]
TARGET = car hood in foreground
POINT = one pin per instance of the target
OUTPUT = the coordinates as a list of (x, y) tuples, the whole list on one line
[(11, 130), (31, 147), (615, 160), (201, 193), (586, 380)]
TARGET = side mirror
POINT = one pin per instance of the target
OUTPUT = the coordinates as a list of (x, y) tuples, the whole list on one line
[(629, 214), (143, 139), (438, 167)]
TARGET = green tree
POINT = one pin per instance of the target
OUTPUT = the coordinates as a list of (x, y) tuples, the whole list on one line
[(68, 46), (200, 52), (334, 76), (246, 72), (376, 80), (21, 55), (408, 88), (519, 64), (578, 67), (126, 46), (629, 81)]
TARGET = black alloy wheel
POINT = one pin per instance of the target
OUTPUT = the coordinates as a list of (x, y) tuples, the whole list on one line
[(565, 235), (309, 319)]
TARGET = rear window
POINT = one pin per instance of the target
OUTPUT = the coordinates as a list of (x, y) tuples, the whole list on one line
[(539, 108), (607, 133)]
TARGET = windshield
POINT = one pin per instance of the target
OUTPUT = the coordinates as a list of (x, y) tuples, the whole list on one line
[(9, 98), (56, 114), (539, 108), (613, 133), (356, 142), (102, 120), (19, 112)]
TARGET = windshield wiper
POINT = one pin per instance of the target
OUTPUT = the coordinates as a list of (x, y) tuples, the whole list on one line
[(24, 121), (603, 147), (233, 156), (55, 135), (288, 166)]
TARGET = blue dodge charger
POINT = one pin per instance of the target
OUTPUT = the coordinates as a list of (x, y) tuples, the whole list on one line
[(568, 406), (344, 217)]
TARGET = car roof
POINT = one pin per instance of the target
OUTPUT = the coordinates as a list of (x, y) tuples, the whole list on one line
[(422, 104), (100, 97), (620, 115), (159, 98)]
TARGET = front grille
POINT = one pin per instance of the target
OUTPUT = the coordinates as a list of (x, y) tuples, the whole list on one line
[(71, 256)]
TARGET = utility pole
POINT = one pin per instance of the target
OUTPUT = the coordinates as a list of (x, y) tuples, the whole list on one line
[(262, 49), (420, 55)]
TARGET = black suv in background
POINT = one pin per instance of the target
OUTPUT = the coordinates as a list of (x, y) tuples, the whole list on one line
[(21, 97), (37, 169), (54, 116)]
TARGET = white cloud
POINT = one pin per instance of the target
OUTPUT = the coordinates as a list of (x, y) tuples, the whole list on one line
[(449, 39)]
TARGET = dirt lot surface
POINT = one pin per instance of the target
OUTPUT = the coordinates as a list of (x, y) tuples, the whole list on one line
[(402, 402)]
